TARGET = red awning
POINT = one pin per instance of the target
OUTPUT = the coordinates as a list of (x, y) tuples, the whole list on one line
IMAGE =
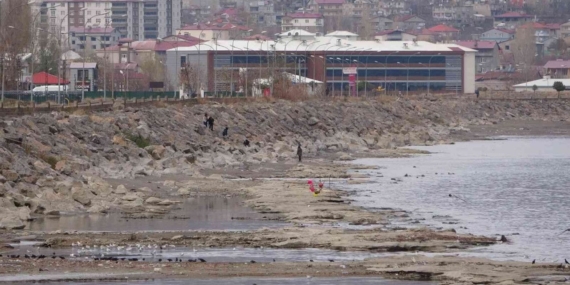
[(44, 78)]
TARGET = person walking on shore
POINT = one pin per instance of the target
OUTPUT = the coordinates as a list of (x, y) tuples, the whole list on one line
[(206, 120), (225, 132), (211, 123), (300, 152)]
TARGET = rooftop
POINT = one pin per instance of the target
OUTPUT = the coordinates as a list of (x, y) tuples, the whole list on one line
[(341, 34), (324, 44), (559, 63), (304, 15), (544, 82), (478, 45), (329, 2), (443, 29), (514, 15)]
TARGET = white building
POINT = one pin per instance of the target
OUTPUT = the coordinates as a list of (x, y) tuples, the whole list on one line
[(543, 85), (310, 22), (395, 65), (135, 19)]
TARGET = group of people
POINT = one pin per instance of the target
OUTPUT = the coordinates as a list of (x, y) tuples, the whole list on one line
[(209, 124)]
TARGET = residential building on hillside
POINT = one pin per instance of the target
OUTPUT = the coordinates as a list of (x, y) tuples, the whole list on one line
[(408, 22), (557, 68), (310, 22), (263, 12), (511, 20), (459, 14), (498, 35), (393, 7), (444, 33), (487, 56), (327, 8), (565, 30), (135, 19), (382, 23)]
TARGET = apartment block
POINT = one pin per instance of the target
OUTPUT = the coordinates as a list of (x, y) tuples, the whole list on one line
[(134, 19)]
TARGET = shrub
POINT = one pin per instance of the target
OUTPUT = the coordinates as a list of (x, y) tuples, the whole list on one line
[(139, 140), (51, 160)]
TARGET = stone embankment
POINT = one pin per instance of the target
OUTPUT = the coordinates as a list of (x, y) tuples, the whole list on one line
[(55, 163)]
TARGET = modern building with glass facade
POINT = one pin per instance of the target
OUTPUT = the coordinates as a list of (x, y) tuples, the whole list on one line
[(394, 65)]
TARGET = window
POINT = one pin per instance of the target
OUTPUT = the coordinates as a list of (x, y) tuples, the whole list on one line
[(306, 21), (94, 47), (71, 20), (98, 13), (53, 13), (507, 47), (93, 39), (98, 21), (296, 21)]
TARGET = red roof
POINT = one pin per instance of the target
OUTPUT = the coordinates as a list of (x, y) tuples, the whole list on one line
[(44, 78), (329, 2), (304, 15), (514, 15), (559, 63), (553, 26), (477, 45), (443, 29)]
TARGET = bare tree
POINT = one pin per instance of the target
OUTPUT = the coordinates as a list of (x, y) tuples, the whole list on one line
[(15, 35), (524, 46), (152, 67), (365, 28), (189, 79)]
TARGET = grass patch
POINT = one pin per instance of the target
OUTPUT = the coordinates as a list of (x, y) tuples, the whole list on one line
[(139, 140), (49, 159)]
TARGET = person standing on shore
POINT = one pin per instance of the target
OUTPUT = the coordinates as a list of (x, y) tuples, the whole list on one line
[(300, 152), (225, 132), (211, 123), (206, 120)]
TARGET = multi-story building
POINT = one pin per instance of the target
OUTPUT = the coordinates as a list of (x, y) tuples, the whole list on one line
[(263, 12), (328, 8), (92, 38), (487, 56), (310, 22), (455, 14), (395, 65), (511, 20), (135, 19), (392, 7)]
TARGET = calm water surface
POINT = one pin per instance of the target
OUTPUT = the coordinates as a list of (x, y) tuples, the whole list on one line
[(518, 187)]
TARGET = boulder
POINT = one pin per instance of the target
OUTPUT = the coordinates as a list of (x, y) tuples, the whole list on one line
[(183, 191), (130, 197), (81, 195), (313, 121), (14, 218), (153, 201), (156, 151), (10, 175), (121, 189)]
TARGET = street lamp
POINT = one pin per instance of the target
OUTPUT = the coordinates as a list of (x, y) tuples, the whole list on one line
[(429, 70), (386, 73), (85, 50)]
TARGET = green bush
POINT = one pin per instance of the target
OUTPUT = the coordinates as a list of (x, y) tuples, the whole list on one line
[(139, 140)]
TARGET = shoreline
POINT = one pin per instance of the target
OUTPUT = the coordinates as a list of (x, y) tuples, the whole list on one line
[(310, 227)]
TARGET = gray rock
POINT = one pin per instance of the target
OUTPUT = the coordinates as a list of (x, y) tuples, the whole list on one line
[(121, 189), (313, 121)]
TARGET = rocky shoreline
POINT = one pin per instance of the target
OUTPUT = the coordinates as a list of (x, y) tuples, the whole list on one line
[(142, 163)]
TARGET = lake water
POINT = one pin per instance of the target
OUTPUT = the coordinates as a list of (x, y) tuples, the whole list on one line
[(519, 187)]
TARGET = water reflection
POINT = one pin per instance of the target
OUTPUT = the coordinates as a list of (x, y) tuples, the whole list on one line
[(517, 187), (201, 213)]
